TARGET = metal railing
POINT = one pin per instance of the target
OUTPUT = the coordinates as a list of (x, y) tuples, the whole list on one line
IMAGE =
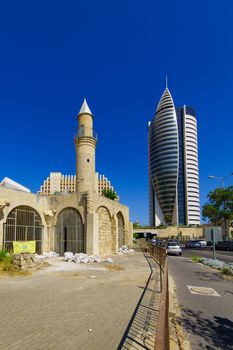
[(159, 254)]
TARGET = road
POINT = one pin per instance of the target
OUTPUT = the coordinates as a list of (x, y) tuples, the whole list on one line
[(207, 319), (225, 256)]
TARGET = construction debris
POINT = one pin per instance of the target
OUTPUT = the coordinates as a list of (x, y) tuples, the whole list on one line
[(125, 250), (81, 258)]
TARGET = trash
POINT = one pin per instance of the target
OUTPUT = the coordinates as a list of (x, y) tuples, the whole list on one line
[(125, 250), (92, 277), (69, 256), (51, 254), (89, 330), (84, 258), (109, 260), (46, 255)]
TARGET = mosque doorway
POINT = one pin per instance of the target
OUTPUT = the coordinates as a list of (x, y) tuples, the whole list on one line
[(69, 236), (23, 224), (121, 230)]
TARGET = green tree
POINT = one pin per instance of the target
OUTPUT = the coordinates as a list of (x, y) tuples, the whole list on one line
[(219, 208), (107, 192), (167, 219), (136, 224)]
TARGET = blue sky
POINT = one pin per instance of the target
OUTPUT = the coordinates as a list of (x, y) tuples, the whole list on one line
[(115, 54)]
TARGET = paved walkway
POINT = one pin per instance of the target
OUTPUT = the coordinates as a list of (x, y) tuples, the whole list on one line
[(90, 307)]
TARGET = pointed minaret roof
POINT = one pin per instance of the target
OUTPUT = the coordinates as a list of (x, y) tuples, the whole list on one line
[(85, 108)]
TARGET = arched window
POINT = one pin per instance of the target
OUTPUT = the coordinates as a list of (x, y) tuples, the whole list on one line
[(23, 224), (69, 232), (121, 230)]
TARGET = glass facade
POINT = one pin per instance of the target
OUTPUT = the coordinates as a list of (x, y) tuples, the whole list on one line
[(163, 155), (181, 175), (173, 165)]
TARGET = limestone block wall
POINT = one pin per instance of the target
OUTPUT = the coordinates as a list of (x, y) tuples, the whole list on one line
[(172, 231), (112, 228), (58, 203), (105, 231)]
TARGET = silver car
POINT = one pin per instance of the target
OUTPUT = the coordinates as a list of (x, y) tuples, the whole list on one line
[(173, 248)]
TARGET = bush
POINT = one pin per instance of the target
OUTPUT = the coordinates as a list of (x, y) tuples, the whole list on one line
[(6, 260), (196, 258), (3, 254), (226, 271)]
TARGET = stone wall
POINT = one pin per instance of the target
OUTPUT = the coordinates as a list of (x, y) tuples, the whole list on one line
[(25, 262), (105, 232), (174, 231)]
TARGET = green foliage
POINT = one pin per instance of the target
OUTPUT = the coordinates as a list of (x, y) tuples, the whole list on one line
[(3, 254), (109, 193), (226, 271), (219, 207), (196, 258), (135, 235), (6, 261), (136, 224), (167, 219)]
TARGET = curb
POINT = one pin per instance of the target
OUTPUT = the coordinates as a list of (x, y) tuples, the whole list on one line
[(178, 340)]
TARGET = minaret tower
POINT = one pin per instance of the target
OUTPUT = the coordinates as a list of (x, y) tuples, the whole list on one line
[(85, 143)]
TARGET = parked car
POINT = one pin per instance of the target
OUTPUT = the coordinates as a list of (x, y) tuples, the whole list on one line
[(224, 245), (193, 244), (173, 248), (203, 243)]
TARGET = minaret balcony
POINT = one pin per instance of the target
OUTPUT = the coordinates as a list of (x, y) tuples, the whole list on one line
[(84, 131)]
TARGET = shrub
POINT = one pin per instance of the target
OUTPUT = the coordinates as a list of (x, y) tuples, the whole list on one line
[(3, 254), (226, 271), (6, 260), (196, 258)]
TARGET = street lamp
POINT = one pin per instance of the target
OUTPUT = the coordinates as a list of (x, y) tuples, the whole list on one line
[(222, 179)]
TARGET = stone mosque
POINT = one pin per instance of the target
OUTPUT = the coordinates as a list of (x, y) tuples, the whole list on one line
[(82, 221)]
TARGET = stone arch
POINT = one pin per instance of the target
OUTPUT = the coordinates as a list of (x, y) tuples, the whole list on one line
[(105, 231), (23, 223), (120, 229), (69, 232)]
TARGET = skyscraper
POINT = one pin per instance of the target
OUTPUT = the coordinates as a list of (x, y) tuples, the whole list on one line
[(173, 165)]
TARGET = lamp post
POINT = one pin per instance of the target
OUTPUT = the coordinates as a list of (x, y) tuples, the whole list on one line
[(222, 179)]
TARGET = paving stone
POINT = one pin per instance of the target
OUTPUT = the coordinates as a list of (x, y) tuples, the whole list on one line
[(55, 310)]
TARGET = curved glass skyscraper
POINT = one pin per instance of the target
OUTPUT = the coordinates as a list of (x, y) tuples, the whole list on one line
[(173, 165)]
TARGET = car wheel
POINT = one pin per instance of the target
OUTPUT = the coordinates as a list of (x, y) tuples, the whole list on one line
[(180, 254)]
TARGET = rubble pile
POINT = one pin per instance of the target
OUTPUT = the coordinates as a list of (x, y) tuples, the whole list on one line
[(81, 258), (26, 262), (125, 250), (46, 255)]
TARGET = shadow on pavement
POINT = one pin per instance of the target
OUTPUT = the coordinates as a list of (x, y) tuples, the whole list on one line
[(140, 332), (217, 332), (210, 276)]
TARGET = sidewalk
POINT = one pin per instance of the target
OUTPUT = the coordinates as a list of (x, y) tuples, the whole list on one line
[(90, 307)]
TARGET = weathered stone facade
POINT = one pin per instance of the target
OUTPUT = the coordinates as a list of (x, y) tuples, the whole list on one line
[(80, 221)]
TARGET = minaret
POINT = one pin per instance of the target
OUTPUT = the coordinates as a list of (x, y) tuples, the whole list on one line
[(85, 143)]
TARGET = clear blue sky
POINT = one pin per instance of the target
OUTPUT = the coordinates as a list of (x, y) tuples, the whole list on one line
[(116, 54)]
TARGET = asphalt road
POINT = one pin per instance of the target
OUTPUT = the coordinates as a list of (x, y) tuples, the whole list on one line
[(207, 319), (225, 256)]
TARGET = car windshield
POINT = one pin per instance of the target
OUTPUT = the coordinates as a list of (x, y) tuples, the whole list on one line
[(173, 244)]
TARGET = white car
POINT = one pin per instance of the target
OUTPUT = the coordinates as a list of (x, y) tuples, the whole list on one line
[(173, 248), (203, 243)]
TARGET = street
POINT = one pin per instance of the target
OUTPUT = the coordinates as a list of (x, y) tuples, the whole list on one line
[(207, 315), (225, 256)]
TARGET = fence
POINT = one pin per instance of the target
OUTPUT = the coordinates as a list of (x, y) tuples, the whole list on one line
[(162, 333)]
